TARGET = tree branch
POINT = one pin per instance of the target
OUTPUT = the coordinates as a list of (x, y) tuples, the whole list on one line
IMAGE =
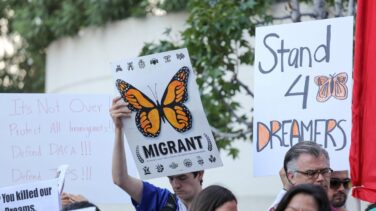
[(307, 14), (351, 8), (338, 8), (245, 87), (319, 9), (235, 76), (230, 135), (295, 10)]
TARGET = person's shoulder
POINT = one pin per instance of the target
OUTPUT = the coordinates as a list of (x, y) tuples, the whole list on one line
[(156, 198), (149, 186), (150, 189)]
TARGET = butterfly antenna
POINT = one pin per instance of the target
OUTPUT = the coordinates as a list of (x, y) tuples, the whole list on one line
[(154, 95), (155, 91)]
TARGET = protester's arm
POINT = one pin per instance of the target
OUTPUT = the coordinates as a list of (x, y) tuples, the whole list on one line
[(277, 199), (120, 176), (286, 186)]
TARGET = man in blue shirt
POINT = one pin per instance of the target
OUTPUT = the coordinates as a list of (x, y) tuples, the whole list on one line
[(146, 196)]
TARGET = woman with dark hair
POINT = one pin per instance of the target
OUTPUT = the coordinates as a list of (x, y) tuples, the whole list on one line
[(214, 198), (307, 197), (371, 207), (80, 205), (72, 202)]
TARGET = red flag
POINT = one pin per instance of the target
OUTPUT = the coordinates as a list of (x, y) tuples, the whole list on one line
[(363, 145)]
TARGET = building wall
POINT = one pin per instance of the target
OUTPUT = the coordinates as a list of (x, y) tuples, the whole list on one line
[(81, 64)]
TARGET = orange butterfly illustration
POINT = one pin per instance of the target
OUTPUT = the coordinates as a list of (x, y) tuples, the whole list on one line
[(149, 114), (331, 86)]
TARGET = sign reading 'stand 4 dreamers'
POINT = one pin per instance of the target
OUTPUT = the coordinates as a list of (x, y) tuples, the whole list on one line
[(302, 90), (168, 132)]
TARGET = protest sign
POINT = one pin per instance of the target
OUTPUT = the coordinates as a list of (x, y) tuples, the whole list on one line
[(39, 132), (42, 195), (303, 85), (168, 132)]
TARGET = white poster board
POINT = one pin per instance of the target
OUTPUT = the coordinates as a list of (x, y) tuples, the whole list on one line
[(303, 86), (40, 132), (42, 195), (168, 132)]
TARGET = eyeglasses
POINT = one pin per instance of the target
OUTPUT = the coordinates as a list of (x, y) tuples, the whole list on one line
[(313, 174), (335, 183)]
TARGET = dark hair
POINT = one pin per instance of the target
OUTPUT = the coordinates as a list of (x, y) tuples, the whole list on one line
[(371, 206), (211, 198), (317, 192), (302, 147), (78, 205), (195, 173)]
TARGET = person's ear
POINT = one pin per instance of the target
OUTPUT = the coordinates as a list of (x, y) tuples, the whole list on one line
[(284, 179), (200, 174), (291, 177)]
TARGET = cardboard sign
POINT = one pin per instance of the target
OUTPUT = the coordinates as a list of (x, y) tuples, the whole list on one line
[(41, 195), (303, 86), (168, 132), (39, 132)]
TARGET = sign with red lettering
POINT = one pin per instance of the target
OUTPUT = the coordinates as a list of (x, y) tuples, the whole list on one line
[(303, 85), (39, 132), (168, 132)]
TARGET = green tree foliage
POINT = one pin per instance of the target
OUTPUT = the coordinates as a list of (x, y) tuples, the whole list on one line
[(30, 26)]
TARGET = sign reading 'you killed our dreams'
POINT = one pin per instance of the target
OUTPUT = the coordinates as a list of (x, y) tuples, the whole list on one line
[(42, 195), (302, 90), (168, 132)]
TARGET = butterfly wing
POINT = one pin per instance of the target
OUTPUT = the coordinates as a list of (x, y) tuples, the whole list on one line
[(176, 93), (148, 118), (324, 92), (340, 89)]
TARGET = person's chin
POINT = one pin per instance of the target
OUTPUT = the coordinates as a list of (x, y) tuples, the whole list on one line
[(339, 200), (180, 194), (339, 204)]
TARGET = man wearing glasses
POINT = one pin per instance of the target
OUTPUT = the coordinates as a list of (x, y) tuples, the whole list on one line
[(340, 185), (305, 162)]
